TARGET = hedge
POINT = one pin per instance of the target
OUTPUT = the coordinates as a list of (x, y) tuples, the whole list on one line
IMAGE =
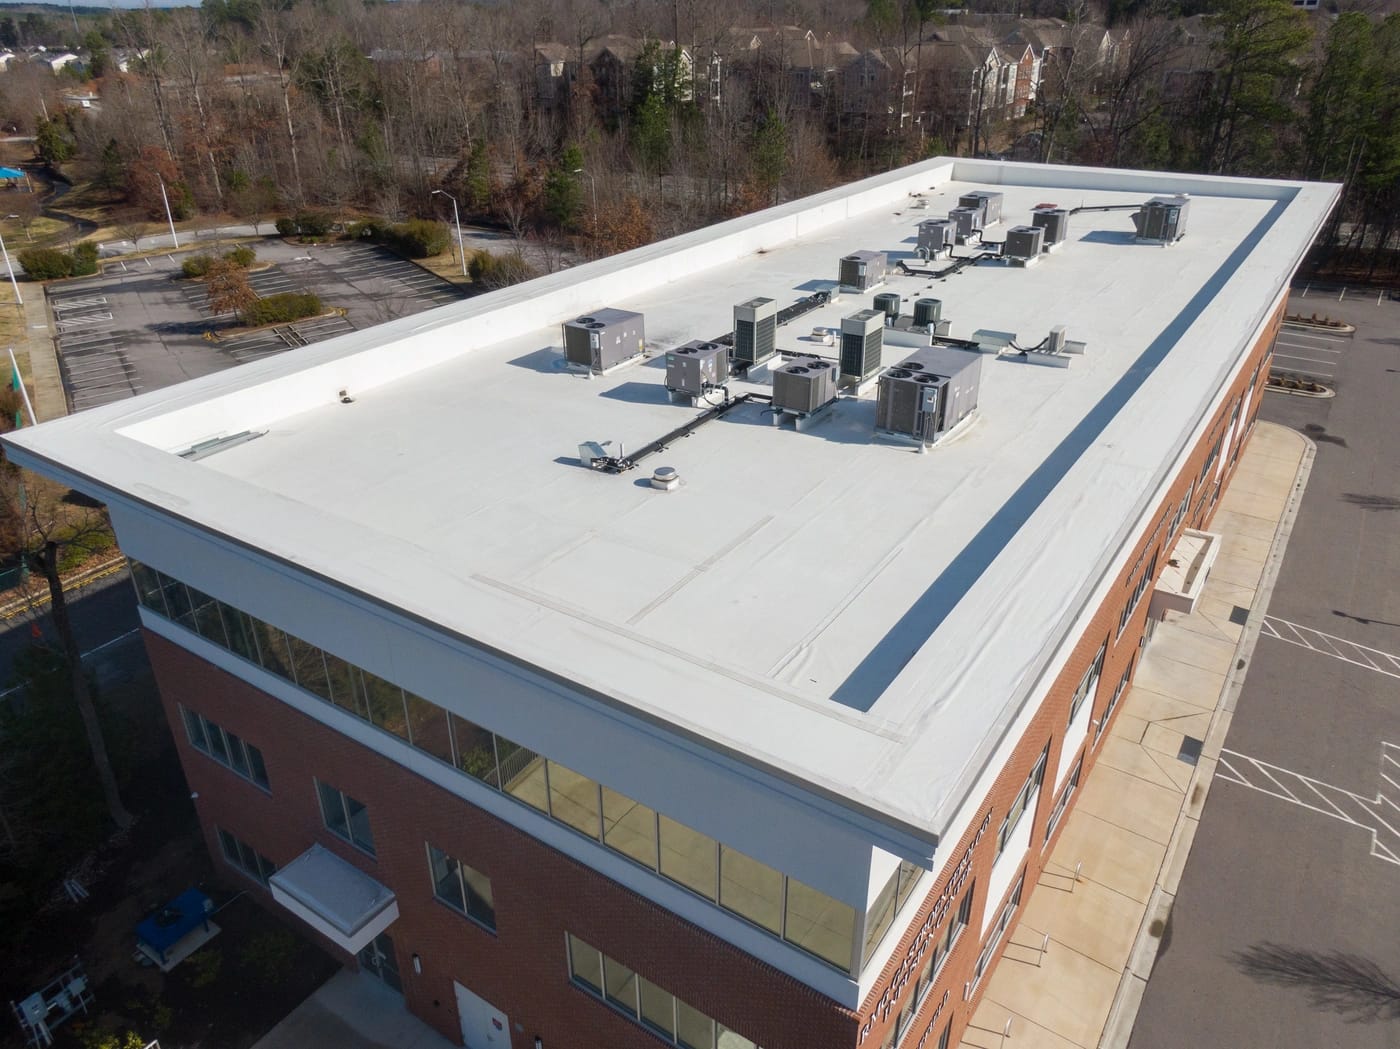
[(283, 307), (197, 266), (498, 271), (242, 256), (52, 264)]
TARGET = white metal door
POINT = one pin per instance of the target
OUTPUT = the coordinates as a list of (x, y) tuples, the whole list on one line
[(483, 1025)]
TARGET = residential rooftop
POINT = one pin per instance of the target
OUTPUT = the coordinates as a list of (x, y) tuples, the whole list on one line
[(846, 611)]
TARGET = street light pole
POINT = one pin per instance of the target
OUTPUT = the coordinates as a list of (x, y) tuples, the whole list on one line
[(19, 300), (168, 217), (593, 186), (456, 221)]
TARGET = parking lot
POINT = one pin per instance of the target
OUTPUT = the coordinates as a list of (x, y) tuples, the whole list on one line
[(1306, 351), (141, 326)]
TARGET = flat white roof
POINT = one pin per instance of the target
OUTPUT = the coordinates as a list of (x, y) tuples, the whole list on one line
[(855, 615)]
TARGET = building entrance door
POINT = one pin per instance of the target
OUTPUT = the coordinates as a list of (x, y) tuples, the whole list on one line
[(483, 1025), (378, 958)]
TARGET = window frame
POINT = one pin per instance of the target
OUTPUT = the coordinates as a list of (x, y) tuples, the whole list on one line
[(230, 744), (465, 910), (349, 836)]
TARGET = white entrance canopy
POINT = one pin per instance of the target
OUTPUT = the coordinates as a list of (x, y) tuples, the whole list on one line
[(339, 901)]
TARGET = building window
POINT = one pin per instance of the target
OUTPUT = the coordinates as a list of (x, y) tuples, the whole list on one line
[(1063, 799), (1022, 802), (1003, 921), (642, 1001), (1113, 700), (806, 918), (891, 900), (937, 953), (1087, 684), (462, 888), (345, 817), (227, 749), (1139, 588), (246, 858), (1181, 510)]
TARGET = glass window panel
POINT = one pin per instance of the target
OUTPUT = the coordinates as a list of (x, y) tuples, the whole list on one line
[(385, 704), (819, 924), (148, 589), (906, 1014), (879, 917), (689, 857), (585, 964), (733, 1039), (266, 868), (228, 845), (206, 618), (247, 857), (237, 758), (629, 827), (522, 773), (620, 984), (218, 749), (345, 691), (257, 771), (427, 725), (750, 888), (194, 725), (480, 903), (658, 1008), (447, 883), (694, 1030), (239, 629), (274, 654), (359, 824), (476, 750), (309, 666), (177, 600), (333, 810), (573, 799), (909, 876)]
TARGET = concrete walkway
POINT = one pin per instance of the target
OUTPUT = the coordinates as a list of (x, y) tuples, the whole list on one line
[(352, 1011), (1131, 830)]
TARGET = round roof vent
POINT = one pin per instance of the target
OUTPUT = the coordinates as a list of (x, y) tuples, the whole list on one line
[(900, 373)]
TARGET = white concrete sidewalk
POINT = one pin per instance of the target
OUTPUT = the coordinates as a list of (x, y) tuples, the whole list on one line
[(352, 1011)]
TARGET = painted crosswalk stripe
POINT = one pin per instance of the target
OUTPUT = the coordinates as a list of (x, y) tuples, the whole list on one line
[(1333, 646)]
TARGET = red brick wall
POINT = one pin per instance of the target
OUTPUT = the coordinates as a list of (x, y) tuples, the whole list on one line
[(1050, 720), (539, 893)]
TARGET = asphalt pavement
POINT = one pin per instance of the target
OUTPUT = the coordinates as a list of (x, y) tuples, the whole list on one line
[(1284, 931)]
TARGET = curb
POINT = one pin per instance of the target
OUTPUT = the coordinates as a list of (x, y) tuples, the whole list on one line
[(1122, 1014), (40, 599)]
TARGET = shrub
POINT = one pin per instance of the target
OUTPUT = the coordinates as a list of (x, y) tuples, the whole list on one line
[(286, 306), (418, 238), (286, 227), (46, 263), (312, 223), (85, 259), (242, 256), (366, 229), (498, 271), (196, 266)]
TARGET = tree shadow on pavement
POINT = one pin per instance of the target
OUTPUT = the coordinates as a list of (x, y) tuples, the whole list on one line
[(1348, 984)]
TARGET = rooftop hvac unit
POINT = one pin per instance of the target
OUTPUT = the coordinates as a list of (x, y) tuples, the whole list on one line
[(604, 339), (1055, 223), (966, 221), (804, 385), (1162, 219), (863, 270), (937, 235), (887, 302), (862, 336), (755, 330), (985, 200), (928, 393), (696, 367), (1023, 243), (928, 312), (909, 403)]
